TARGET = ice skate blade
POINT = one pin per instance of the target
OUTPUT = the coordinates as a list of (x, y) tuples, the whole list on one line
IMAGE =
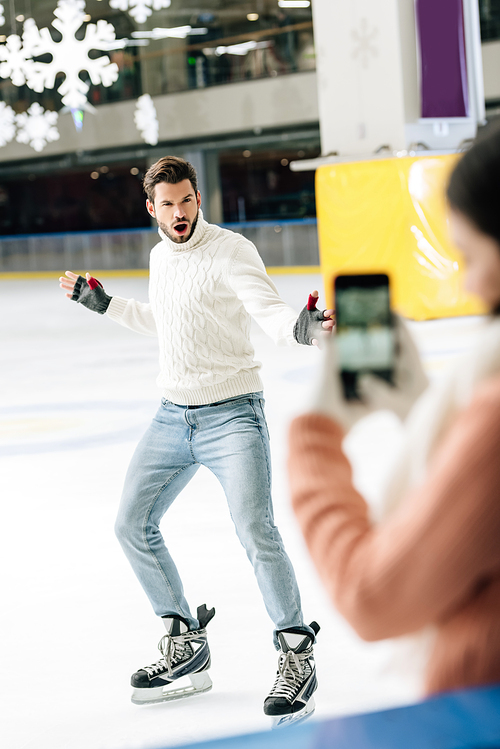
[(199, 683), (281, 721)]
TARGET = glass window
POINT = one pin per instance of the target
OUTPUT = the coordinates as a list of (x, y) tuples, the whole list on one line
[(489, 14), (190, 44), (96, 198), (259, 185)]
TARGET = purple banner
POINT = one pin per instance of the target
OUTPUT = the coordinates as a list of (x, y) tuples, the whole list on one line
[(443, 71)]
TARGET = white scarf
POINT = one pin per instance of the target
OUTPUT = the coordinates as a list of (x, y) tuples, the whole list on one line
[(427, 424), (435, 411)]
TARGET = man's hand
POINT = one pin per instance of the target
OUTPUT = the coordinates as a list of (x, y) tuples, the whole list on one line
[(87, 291), (68, 283), (313, 324)]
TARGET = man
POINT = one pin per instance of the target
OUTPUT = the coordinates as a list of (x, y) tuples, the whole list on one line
[(205, 283)]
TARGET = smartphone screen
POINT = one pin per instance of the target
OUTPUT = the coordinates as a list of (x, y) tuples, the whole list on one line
[(364, 328)]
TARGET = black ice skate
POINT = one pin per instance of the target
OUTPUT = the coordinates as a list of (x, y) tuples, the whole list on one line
[(290, 700), (185, 653)]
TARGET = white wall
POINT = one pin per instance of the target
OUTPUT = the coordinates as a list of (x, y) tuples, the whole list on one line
[(269, 103), (491, 69)]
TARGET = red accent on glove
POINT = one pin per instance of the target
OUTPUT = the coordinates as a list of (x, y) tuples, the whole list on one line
[(311, 303), (94, 283)]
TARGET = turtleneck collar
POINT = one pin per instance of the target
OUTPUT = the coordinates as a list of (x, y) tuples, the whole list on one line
[(194, 241)]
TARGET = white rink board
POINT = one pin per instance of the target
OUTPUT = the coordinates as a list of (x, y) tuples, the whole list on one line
[(76, 393)]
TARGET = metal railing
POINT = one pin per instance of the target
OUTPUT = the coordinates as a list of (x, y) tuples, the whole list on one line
[(284, 243)]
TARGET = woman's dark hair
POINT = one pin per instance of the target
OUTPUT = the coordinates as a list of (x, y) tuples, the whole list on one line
[(474, 186), (171, 169)]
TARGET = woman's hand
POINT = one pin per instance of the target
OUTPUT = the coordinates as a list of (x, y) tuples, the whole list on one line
[(376, 394)]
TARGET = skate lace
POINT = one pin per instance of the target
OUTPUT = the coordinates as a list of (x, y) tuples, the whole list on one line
[(173, 650), (292, 668)]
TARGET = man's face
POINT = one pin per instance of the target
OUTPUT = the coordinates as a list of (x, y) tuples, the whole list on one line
[(175, 208)]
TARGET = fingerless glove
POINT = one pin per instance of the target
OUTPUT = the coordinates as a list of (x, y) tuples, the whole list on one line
[(91, 294), (308, 323)]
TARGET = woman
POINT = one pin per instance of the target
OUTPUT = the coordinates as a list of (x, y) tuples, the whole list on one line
[(433, 563)]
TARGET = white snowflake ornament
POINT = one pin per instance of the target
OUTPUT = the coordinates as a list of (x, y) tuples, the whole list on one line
[(37, 127), (13, 63), (146, 119), (140, 10), (2, 15), (71, 55), (7, 123), (16, 56)]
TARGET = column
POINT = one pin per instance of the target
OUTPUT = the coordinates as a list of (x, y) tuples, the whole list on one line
[(369, 77)]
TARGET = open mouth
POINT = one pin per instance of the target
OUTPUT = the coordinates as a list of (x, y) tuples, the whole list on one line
[(181, 229)]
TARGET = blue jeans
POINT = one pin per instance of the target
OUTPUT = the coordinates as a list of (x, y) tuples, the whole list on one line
[(231, 439)]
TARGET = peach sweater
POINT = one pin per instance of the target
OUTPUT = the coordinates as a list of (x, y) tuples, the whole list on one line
[(435, 561)]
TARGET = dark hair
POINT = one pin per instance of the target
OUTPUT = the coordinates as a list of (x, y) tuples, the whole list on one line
[(474, 186), (171, 169)]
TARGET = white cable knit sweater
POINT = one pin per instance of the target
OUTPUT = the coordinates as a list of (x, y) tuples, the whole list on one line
[(201, 296)]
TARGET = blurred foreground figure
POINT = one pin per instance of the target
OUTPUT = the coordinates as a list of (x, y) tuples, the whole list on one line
[(433, 563), (205, 283)]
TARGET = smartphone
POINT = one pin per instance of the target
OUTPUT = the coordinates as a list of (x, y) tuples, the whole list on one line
[(364, 329)]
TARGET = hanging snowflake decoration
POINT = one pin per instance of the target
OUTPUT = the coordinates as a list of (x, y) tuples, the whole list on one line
[(2, 15), (37, 127), (69, 56), (146, 119), (17, 58), (7, 123), (140, 10)]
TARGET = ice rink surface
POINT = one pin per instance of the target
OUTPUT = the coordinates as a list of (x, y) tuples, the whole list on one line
[(76, 393)]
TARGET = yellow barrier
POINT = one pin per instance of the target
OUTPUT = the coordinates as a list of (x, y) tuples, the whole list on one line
[(389, 215)]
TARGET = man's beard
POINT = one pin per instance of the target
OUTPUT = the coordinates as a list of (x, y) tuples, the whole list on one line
[(173, 237)]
